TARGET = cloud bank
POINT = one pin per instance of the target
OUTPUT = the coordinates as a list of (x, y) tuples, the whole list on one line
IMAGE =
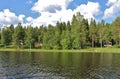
[(113, 9), (51, 11), (7, 17), (56, 10)]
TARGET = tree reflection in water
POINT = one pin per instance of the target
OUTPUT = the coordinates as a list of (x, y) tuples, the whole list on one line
[(59, 65)]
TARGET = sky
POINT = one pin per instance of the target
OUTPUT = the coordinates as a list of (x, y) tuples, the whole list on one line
[(44, 12)]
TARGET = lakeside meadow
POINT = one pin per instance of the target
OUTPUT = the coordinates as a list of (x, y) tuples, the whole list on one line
[(88, 50)]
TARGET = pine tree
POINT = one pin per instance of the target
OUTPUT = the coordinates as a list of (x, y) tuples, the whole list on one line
[(100, 32), (65, 40), (18, 36), (5, 36), (93, 32), (48, 38), (76, 31), (29, 37), (116, 23)]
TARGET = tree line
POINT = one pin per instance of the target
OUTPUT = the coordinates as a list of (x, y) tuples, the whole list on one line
[(77, 34)]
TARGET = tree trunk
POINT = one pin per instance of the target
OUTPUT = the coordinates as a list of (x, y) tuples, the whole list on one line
[(92, 42), (100, 40)]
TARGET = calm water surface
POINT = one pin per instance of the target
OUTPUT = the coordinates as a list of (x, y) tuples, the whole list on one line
[(18, 65)]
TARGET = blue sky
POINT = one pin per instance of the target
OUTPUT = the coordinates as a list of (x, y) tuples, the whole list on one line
[(44, 12)]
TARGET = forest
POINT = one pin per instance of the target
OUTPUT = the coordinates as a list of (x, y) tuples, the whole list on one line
[(75, 34)]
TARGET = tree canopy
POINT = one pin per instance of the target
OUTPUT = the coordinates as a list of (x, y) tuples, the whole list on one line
[(77, 34)]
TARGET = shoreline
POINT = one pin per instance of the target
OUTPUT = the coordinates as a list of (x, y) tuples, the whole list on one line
[(88, 50)]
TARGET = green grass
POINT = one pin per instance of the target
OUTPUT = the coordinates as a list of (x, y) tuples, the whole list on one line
[(89, 50)]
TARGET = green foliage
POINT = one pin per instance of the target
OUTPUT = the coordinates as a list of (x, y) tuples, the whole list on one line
[(41, 32), (79, 31), (48, 38), (116, 24), (65, 40), (56, 40), (77, 34), (5, 36), (76, 43), (18, 36), (109, 33), (29, 37), (1, 45), (100, 32), (93, 32)]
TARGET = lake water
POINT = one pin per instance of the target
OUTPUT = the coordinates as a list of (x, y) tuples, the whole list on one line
[(18, 65)]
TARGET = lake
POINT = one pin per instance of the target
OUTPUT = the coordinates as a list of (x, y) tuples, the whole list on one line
[(24, 65)]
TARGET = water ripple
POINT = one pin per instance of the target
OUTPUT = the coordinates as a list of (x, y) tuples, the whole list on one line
[(42, 67)]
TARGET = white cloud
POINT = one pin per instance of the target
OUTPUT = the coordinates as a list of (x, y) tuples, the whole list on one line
[(51, 18), (45, 5), (7, 17), (110, 2), (20, 17), (52, 11), (89, 10), (113, 8), (29, 19)]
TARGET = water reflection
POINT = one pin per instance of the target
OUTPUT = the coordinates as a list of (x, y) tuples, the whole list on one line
[(59, 65)]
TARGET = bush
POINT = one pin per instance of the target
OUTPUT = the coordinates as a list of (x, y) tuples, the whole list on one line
[(10, 46), (38, 47), (56, 47), (1, 45)]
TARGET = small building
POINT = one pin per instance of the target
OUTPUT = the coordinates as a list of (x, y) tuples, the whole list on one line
[(38, 44), (106, 44), (21, 42)]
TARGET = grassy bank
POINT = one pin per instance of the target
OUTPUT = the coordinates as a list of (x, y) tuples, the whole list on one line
[(89, 50)]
